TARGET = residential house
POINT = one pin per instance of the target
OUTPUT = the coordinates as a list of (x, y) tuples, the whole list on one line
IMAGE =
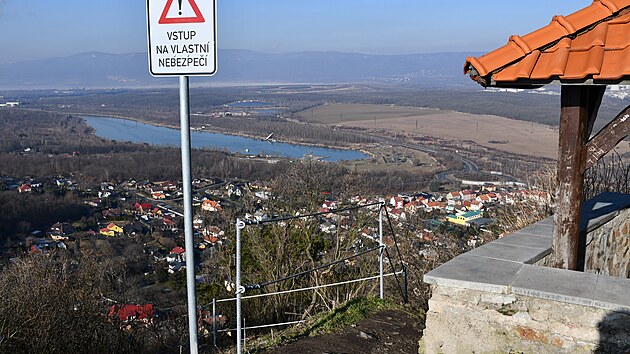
[(489, 187), (177, 254), (167, 185), (176, 266), (475, 206), (467, 194), (63, 182), (158, 195), (24, 188), (142, 208), (435, 206), (169, 223), (397, 202), (129, 312), (197, 223), (133, 228), (210, 206), (111, 213), (398, 214), (487, 198), (234, 191), (453, 195), (107, 232), (213, 234), (117, 229), (413, 206), (111, 230)]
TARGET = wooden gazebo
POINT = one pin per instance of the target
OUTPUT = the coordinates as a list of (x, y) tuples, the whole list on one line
[(584, 52)]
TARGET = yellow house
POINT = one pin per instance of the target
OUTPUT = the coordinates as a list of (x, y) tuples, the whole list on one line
[(115, 228), (463, 218), (106, 232)]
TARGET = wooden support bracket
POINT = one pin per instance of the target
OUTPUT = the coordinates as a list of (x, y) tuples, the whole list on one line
[(607, 138)]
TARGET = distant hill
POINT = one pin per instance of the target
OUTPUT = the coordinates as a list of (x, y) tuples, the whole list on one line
[(104, 70)]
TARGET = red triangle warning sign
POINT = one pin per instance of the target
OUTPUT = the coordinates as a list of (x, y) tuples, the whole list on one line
[(198, 18)]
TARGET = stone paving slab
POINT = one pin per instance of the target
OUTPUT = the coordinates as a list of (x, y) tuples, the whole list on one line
[(538, 229), (612, 293), (556, 284), (547, 222), (476, 273), (509, 252), (525, 240)]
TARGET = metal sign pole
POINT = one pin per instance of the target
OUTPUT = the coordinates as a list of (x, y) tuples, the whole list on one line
[(381, 245), (239, 289), (214, 325), (188, 211)]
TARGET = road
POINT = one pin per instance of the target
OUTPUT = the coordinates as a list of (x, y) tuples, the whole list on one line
[(468, 165)]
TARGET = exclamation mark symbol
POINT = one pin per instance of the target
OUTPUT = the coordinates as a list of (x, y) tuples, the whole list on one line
[(180, 6)]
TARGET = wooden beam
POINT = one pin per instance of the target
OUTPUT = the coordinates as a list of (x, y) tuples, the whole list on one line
[(579, 106), (607, 138)]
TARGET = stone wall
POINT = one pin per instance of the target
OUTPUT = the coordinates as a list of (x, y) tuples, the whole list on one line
[(472, 321), (498, 298), (608, 247)]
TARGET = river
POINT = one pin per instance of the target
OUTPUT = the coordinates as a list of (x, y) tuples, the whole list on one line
[(129, 130)]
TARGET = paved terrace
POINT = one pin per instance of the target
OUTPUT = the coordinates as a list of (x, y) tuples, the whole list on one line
[(507, 265)]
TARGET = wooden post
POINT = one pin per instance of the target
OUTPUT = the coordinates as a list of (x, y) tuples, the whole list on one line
[(579, 106)]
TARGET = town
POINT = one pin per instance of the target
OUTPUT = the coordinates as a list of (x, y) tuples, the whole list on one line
[(151, 212)]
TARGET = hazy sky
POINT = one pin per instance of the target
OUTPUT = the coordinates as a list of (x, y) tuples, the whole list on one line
[(33, 29)]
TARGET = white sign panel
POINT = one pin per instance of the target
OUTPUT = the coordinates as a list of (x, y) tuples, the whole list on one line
[(182, 37)]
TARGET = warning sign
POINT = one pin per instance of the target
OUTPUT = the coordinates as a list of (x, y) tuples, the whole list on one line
[(164, 19), (182, 37)]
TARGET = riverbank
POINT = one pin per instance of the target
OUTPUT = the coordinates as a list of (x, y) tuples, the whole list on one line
[(365, 148), (140, 132)]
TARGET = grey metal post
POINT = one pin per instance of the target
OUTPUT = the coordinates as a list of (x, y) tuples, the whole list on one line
[(239, 289), (380, 252), (214, 324), (188, 211)]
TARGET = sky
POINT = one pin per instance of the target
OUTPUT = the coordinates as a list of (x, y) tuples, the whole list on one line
[(35, 29)]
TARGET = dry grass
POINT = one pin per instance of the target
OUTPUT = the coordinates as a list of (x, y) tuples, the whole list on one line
[(514, 136)]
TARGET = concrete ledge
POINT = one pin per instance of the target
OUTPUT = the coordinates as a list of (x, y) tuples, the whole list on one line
[(506, 265), (556, 284), (477, 273)]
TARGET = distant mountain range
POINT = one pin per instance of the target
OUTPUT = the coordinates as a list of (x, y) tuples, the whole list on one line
[(104, 70)]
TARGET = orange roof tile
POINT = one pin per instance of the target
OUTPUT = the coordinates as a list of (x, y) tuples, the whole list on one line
[(590, 44)]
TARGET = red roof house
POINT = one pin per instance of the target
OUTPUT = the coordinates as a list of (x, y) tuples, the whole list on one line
[(130, 312), (25, 188), (178, 250)]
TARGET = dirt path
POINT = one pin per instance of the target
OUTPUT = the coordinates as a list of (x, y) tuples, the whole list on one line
[(386, 332)]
